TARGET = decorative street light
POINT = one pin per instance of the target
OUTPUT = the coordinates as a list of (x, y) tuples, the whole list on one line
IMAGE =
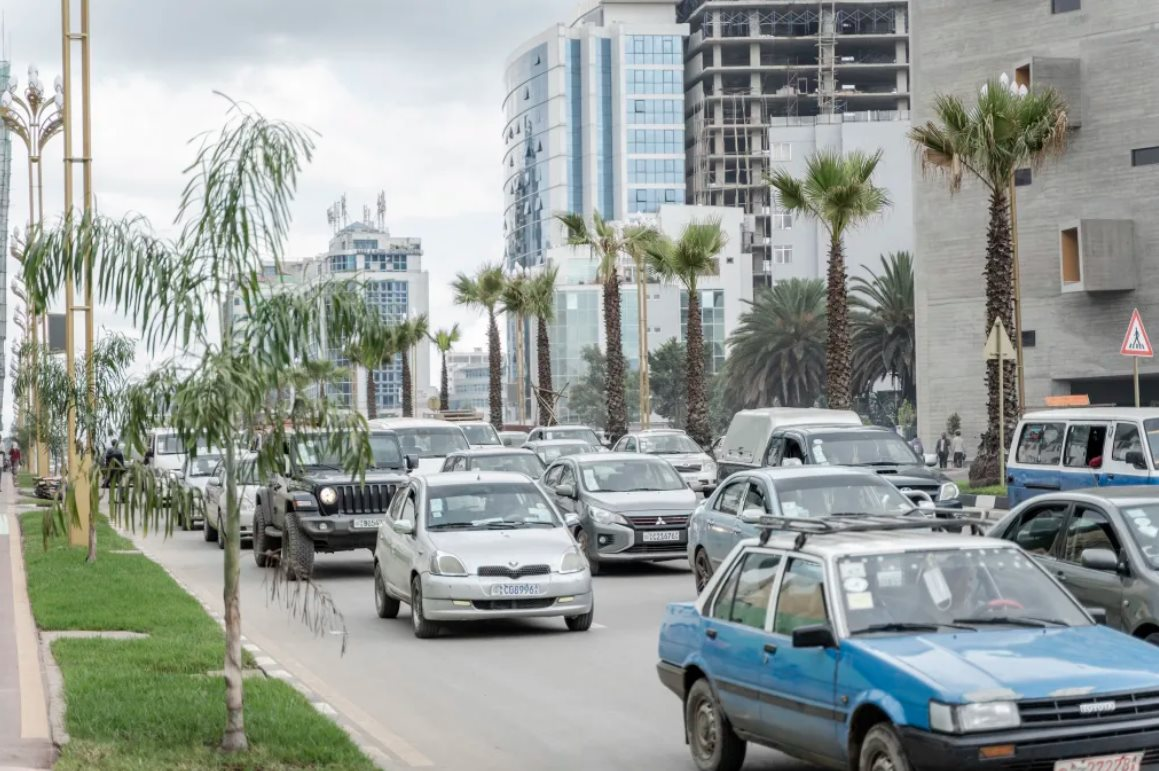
[(36, 120), (638, 220)]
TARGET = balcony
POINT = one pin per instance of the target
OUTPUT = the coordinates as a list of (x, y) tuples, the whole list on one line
[(1098, 256)]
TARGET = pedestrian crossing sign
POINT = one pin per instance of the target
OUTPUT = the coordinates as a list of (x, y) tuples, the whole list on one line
[(1136, 343)]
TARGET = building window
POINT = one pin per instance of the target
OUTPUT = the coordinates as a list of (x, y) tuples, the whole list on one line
[(382, 261), (364, 244), (782, 255), (655, 141), (655, 81), (656, 111), (1022, 177), (1145, 156), (1071, 268), (780, 151), (655, 171), (1065, 6), (782, 220), (711, 322), (654, 49), (648, 199), (341, 263)]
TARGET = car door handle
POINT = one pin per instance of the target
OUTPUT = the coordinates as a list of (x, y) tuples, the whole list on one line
[(770, 648), (710, 634)]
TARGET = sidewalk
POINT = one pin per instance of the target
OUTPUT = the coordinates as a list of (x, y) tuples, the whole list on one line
[(24, 733)]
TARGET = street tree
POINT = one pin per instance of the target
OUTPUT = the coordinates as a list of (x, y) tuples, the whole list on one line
[(883, 325), (1004, 128), (516, 304), (408, 335), (484, 291), (541, 305), (669, 382), (837, 191), (587, 398), (444, 340), (370, 350)]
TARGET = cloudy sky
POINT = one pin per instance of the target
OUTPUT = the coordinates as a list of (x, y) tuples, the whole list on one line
[(405, 94)]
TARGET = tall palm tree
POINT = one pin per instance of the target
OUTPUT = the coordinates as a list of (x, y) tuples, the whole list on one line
[(371, 351), (608, 244), (484, 291), (1006, 128), (515, 301), (777, 352), (639, 239), (444, 340), (883, 325), (541, 305), (838, 191), (686, 260), (408, 334)]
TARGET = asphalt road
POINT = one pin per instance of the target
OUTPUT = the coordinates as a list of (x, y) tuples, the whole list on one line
[(505, 695)]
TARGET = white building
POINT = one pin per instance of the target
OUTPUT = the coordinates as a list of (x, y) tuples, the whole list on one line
[(468, 375)]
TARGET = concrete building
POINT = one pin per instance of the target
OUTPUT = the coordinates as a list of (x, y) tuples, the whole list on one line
[(760, 74), (5, 194), (468, 375), (1088, 236)]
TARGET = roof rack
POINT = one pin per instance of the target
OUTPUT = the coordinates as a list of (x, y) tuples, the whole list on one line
[(944, 519)]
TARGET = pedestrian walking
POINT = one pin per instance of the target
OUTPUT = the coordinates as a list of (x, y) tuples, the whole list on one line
[(942, 448), (958, 448), (916, 443), (14, 458)]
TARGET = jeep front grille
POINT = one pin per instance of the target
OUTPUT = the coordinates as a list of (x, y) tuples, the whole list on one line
[(499, 571), (363, 499)]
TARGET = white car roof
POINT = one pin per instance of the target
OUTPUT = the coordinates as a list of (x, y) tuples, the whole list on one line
[(869, 542), (467, 477), (1093, 413), (393, 424)]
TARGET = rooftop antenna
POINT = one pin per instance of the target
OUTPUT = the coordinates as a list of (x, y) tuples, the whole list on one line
[(382, 210), (366, 213), (344, 215)]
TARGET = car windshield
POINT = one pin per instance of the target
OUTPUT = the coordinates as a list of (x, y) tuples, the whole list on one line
[(513, 438), (630, 476), (169, 444), (1143, 524), (1151, 426), (582, 433), (869, 448), (551, 452), (478, 434), (668, 444), (845, 494), (522, 463), (386, 451), (318, 450), (486, 506), (203, 465), (951, 590), (433, 442)]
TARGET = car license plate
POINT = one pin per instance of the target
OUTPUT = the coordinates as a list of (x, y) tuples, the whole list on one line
[(651, 536), (368, 523), (516, 590), (1131, 761)]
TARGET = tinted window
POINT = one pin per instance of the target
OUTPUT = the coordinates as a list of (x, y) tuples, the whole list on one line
[(1040, 444), (1127, 439), (1063, 6), (434, 442), (203, 465), (1037, 529), (1143, 525), (480, 434), (1088, 529), (755, 499), (729, 500), (1084, 443), (801, 601), (521, 463), (629, 476), (583, 434), (169, 444), (750, 605), (813, 496), (552, 475), (1151, 427), (722, 604), (385, 450), (866, 448)]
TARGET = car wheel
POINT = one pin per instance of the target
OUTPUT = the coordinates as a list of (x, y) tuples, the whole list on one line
[(220, 533), (882, 750), (385, 605), (702, 567), (262, 543), (715, 746), (1152, 638), (581, 623), (583, 541), (424, 630), (298, 551), (208, 531)]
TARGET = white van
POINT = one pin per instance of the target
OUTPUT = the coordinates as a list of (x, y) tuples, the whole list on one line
[(749, 434), (431, 440)]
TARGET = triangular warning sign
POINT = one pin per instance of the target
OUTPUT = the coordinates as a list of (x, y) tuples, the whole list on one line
[(1136, 343)]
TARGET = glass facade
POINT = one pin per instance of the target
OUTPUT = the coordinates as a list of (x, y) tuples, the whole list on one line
[(653, 171), (341, 392), (525, 161), (342, 263), (394, 262), (605, 156), (391, 300), (575, 191), (665, 112), (711, 321), (654, 49), (576, 326), (655, 141), (365, 244), (655, 81)]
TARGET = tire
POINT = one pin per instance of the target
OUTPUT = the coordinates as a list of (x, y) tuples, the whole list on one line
[(424, 629), (297, 550), (584, 542), (385, 605), (702, 569), (1152, 638), (714, 745), (262, 543), (882, 751), (208, 531), (581, 623), (220, 533)]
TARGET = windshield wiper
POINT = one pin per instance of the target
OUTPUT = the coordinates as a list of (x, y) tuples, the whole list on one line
[(452, 526), (502, 525), (328, 466), (905, 626), (882, 463), (1027, 621)]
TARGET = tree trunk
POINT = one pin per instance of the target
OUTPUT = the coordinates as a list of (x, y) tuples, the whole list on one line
[(235, 738), (614, 376), (408, 407), (521, 387), (999, 304), (444, 387), (495, 364), (838, 353), (694, 357), (371, 395), (544, 396)]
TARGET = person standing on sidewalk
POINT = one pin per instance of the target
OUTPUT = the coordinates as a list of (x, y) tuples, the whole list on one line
[(942, 448), (958, 447), (14, 458)]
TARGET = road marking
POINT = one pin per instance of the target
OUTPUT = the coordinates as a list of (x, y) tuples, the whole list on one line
[(33, 707)]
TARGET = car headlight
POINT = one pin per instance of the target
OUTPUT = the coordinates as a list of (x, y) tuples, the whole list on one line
[(948, 491), (444, 564), (328, 496), (605, 517), (573, 562), (972, 718), (708, 466)]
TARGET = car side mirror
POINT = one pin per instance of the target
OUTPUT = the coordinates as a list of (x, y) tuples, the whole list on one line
[(403, 527), (819, 636), (926, 505), (1098, 614), (788, 462), (1136, 459), (412, 462), (931, 460), (571, 519), (565, 491), (1100, 559), (752, 516)]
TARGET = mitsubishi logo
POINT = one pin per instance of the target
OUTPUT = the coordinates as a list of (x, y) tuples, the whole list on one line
[(1096, 707), (513, 564), (660, 521)]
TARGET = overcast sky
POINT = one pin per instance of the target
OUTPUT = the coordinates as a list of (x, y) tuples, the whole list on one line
[(406, 96)]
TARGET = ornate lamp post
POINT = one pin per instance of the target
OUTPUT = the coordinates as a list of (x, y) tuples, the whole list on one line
[(35, 119)]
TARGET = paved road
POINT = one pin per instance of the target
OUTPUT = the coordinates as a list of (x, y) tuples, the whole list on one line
[(510, 696)]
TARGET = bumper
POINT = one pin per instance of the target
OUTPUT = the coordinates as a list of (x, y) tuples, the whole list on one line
[(338, 533), (471, 598), (617, 543), (1033, 749), (672, 677)]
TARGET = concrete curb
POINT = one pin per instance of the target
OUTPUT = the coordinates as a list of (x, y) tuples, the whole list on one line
[(993, 503)]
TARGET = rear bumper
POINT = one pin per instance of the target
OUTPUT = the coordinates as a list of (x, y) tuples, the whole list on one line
[(672, 677), (1034, 750), (338, 533)]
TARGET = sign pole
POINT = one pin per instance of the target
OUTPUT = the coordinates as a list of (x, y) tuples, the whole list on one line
[(1136, 360), (1001, 416)]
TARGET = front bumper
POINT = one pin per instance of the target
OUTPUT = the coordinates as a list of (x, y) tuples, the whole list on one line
[(1034, 749), (337, 532), (470, 598), (618, 543)]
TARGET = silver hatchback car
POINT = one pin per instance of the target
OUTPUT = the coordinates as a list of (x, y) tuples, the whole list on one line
[(467, 546)]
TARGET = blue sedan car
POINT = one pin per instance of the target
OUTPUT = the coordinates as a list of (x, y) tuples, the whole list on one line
[(862, 644)]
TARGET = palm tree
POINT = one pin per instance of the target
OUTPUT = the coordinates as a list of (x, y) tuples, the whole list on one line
[(1005, 129), (639, 239), (541, 305), (883, 325), (686, 260), (370, 351), (444, 340), (484, 291), (837, 190), (408, 334), (608, 244), (515, 305), (777, 352)]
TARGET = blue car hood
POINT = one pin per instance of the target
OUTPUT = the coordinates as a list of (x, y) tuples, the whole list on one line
[(1033, 663)]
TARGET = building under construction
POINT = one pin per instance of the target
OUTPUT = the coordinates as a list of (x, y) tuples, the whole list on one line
[(753, 67)]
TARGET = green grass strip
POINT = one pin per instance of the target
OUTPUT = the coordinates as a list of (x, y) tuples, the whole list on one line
[(148, 704)]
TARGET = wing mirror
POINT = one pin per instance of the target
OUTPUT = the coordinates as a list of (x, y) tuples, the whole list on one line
[(814, 637), (412, 462), (403, 527), (1100, 559), (571, 519), (790, 462), (752, 516), (1098, 614), (565, 491), (1136, 459), (931, 459)]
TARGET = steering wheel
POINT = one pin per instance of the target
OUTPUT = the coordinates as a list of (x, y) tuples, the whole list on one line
[(1002, 604)]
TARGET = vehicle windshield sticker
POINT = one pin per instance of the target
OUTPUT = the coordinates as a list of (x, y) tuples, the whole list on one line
[(1137, 514), (792, 509), (590, 479), (852, 569), (859, 601), (890, 579), (437, 507), (855, 585), (937, 587), (818, 453)]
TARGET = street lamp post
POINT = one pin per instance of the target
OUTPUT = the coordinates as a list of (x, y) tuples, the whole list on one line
[(35, 120)]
